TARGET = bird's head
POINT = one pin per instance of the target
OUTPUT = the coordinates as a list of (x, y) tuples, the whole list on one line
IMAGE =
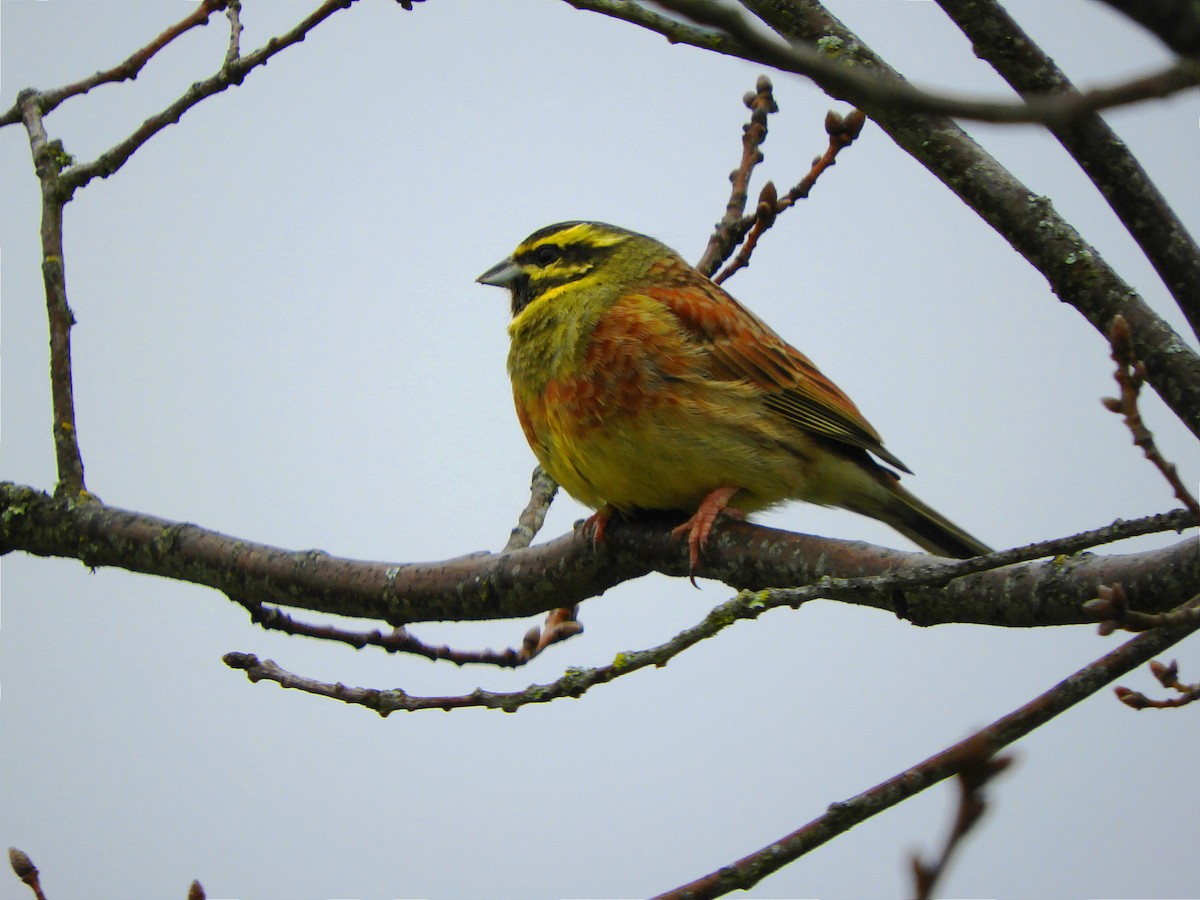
[(580, 254)]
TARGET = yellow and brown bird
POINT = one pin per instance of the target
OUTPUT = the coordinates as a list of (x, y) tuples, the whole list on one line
[(640, 384)]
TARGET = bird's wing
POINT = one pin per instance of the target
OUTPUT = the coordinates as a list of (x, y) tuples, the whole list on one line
[(742, 346)]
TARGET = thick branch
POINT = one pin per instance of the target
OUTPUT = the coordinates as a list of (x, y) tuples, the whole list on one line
[(1142, 209), (1074, 269), (568, 569)]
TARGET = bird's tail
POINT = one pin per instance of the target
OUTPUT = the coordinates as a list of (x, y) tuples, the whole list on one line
[(925, 526)]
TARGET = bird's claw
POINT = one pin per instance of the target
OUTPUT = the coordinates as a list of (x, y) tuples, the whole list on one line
[(700, 525)]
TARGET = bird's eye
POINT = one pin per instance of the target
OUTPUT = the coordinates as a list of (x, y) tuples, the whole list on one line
[(546, 254)]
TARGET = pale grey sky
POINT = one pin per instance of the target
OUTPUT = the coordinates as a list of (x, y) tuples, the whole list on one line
[(280, 338)]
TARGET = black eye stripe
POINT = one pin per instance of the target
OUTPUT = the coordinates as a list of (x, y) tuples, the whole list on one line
[(546, 254)]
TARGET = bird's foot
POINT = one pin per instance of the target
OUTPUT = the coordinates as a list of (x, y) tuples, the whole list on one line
[(700, 525), (594, 525)]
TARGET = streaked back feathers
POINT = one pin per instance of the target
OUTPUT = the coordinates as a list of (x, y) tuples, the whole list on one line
[(642, 384)]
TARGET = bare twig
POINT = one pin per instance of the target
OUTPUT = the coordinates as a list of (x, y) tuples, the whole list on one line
[(1130, 375), (231, 73), (763, 218), (842, 131), (560, 625), (1168, 677), (124, 71), (730, 230), (1111, 609), (49, 161), (234, 13), (735, 37), (541, 494), (60, 177), (574, 683), (26, 871), (977, 768), (748, 871)]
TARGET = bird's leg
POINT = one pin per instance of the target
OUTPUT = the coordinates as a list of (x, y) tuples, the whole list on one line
[(595, 524), (698, 527)]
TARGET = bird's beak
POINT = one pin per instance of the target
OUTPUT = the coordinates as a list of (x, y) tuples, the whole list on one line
[(503, 274)]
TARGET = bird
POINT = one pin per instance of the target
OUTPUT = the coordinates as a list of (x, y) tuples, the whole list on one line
[(641, 384)]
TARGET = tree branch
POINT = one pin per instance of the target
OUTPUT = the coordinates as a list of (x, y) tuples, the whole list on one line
[(842, 131), (730, 230), (560, 625), (841, 817), (232, 72), (1175, 24), (1103, 156), (49, 160), (124, 71), (1075, 271), (542, 489), (1168, 677), (735, 37), (978, 767), (569, 569), (1129, 376)]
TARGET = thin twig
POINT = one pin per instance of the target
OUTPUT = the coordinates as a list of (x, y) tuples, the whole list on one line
[(729, 231), (50, 160), (1130, 375), (979, 766), (542, 490), (231, 73), (234, 13), (560, 625), (60, 177), (732, 34), (124, 71), (748, 871), (1168, 677), (763, 218), (1111, 609), (842, 131)]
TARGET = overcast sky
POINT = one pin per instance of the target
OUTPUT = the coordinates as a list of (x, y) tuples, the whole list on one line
[(280, 338)]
